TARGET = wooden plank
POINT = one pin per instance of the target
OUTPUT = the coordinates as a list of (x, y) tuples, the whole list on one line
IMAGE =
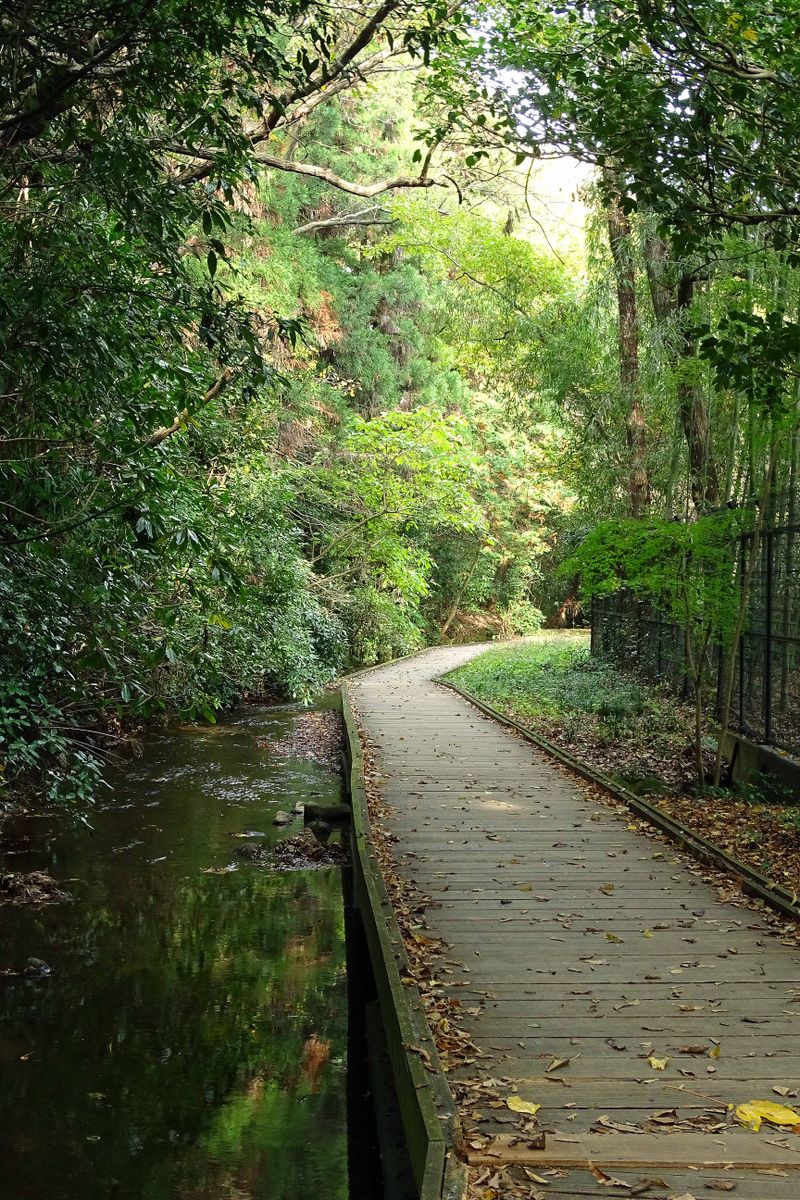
[(763, 1071), (738, 1149), (512, 855), (428, 1113), (758, 1185)]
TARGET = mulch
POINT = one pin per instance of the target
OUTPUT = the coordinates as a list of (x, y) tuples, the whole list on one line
[(304, 853), (750, 831), (33, 888), (316, 736)]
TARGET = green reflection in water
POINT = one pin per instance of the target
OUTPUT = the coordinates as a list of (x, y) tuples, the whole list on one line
[(191, 1040)]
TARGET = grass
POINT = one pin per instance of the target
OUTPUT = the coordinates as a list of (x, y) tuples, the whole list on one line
[(555, 679), (632, 732)]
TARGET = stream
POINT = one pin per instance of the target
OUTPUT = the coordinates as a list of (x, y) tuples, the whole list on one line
[(190, 1039)]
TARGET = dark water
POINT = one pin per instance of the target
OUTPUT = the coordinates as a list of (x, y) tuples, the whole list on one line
[(191, 1040)]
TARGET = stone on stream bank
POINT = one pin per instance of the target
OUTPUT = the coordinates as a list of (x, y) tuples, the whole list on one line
[(332, 814)]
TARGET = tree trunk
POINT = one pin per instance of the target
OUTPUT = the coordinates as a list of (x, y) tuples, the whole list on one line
[(570, 605), (671, 308), (445, 627), (703, 478), (619, 236)]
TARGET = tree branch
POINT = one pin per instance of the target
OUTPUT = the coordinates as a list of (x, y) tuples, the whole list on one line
[(346, 185), (184, 417), (359, 218)]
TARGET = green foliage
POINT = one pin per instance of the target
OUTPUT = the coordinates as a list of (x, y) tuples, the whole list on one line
[(556, 687), (688, 572), (692, 106), (684, 569), (765, 789), (554, 679), (231, 453), (523, 618), (790, 820), (378, 628)]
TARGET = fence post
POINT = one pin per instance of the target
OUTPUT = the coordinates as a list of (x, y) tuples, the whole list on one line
[(768, 642)]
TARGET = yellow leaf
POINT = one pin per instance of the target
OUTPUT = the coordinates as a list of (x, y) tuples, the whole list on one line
[(749, 35), (657, 1064), (755, 1111), (714, 1052), (647, 933), (612, 937), (517, 1104)]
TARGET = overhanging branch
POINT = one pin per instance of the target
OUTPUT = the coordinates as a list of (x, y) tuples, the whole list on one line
[(347, 185), (362, 217), (184, 417)]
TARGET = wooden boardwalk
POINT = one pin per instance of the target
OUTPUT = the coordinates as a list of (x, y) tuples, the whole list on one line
[(579, 949)]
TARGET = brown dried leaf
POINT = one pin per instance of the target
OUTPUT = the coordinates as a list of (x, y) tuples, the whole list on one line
[(608, 1180)]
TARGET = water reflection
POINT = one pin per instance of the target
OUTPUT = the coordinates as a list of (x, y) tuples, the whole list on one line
[(190, 1042)]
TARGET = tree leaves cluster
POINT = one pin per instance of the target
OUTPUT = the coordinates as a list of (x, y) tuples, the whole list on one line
[(233, 439)]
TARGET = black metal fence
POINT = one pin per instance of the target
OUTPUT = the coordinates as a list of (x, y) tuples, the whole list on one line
[(766, 685)]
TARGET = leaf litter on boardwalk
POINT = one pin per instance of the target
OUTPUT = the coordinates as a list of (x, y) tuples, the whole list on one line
[(454, 1044)]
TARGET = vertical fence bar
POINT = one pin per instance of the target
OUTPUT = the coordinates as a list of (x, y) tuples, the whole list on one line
[(638, 639), (741, 639), (768, 615)]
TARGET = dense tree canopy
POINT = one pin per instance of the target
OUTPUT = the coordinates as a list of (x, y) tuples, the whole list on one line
[(294, 373)]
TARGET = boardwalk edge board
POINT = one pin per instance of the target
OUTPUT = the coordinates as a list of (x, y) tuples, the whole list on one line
[(752, 881), (428, 1112)]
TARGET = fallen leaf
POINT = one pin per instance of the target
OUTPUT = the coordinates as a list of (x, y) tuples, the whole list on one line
[(720, 1185), (608, 1180), (605, 1122), (754, 1112), (658, 1064), (517, 1104)]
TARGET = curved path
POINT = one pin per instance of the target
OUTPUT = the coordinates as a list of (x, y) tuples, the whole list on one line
[(580, 949)]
